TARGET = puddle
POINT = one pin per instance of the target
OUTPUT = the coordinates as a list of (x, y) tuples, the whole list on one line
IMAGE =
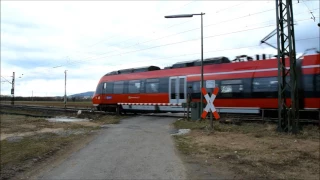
[(173, 131), (66, 119)]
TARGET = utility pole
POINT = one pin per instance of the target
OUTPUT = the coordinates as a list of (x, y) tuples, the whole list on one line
[(201, 96), (32, 95), (12, 89), (65, 88), (201, 83), (288, 114)]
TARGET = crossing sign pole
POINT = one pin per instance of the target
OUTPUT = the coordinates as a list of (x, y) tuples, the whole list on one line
[(210, 107)]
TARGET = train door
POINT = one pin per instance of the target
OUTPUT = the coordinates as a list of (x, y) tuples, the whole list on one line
[(177, 89)]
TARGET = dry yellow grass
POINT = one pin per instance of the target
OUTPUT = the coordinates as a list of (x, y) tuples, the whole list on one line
[(252, 151)]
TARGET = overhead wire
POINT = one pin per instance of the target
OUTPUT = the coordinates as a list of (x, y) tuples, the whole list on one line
[(6, 79), (179, 42), (174, 42), (170, 26), (187, 31), (204, 37), (176, 25), (314, 18), (219, 50), (211, 51), (111, 37), (230, 7)]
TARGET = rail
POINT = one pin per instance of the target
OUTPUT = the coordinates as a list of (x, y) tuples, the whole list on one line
[(225, 117)]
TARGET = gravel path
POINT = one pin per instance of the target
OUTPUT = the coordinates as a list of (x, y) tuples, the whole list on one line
[(137, 148)]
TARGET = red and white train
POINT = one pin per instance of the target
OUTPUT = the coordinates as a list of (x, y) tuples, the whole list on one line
[(245, 87)]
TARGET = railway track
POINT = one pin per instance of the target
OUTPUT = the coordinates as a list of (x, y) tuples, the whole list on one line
[(231, 118)]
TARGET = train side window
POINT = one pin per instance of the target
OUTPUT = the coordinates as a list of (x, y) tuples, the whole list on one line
[(317, 83), (247, 87), (265, 87), (231, 86), (196, 87), (189, 87), (104, 85), (164, 85), (142, 86), (134, 86), (109, 88), (269, 84), (118, 87), (152, 85), (125, 87), (308, 84)]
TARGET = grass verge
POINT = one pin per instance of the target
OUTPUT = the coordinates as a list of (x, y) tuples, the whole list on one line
[(18, 156), (27, 141), (252, 151)]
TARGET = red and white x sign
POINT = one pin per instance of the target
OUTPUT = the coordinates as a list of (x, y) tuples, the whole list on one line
[(210, 107)]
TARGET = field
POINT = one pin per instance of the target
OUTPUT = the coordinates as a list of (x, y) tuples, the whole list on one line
[(28, 142), (248, 151), (79, 104)]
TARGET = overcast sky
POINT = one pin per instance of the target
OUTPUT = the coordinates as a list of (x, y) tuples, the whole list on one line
[(42, 39)]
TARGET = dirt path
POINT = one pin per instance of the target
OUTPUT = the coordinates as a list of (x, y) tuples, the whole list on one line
[(137, 148)]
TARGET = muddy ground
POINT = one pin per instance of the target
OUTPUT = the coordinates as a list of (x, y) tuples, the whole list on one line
[(29, 141), (248, 151)]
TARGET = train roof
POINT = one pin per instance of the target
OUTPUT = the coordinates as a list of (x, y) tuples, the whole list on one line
[(224, 67), (215, 60), (134, 70), (182, 64), (193, 63)]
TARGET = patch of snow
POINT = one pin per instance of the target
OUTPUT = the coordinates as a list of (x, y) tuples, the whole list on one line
[(182, 131), (79, 112), (65, 119)]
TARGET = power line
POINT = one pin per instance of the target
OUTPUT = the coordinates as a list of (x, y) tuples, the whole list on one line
[(178, 42), (199, 28), (171, 35), (230, 7), (174, 43), (102, 41), (184, 32), (229, 20), (183, 23), (314, 19), (219, 50), (138, 36), (188, 31), (228, 49), (5, 79)]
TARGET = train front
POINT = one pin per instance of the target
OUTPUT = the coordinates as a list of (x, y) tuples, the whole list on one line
[(97, 96)]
